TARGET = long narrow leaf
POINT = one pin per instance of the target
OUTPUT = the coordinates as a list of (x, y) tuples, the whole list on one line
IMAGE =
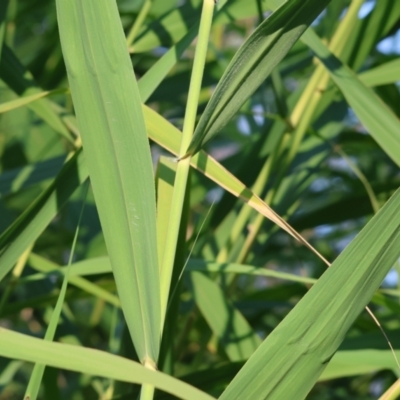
[(253, 63), (23, 101), (377, 117), (383, 74), (110, 119), (290, 360), (358, 362), (33, 221), (21, 82), (228, 324), (48, 267), (92, 362)]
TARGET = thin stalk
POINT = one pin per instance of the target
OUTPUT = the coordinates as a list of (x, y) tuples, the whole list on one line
[(138, 24), (182, 172), (245, 212), (304, 111), (303, 114), (147, 392), (184, 164), (393, 392), (260, 12)]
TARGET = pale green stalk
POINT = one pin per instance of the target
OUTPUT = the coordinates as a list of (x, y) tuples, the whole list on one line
[(302, 116), (138, 23), (167, 263), (245, 212), (35, 380), (393, 392), (147, 392), (184, 164)]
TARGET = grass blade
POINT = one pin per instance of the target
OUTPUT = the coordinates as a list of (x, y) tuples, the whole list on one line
[(162, 132), (302, 345), (253, 63), (358, 362), (382, 75), (33, 221), (35, 380), (23, 101), (75, 277), (92, 362), (110, 119), (19, 178), (21, 82), (380, 121), (228, 324)]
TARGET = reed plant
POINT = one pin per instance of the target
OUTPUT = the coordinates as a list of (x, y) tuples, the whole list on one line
[(199, 199)]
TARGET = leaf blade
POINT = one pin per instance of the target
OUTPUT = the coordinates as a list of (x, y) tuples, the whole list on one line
[(109, 114), (253, 63), (380, 121), (300, 347), (90, 361)]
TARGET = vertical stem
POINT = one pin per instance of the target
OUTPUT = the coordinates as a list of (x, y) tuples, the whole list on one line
[(184, 164), (182, 172), (138, 23), (146, 392), (302, 117)]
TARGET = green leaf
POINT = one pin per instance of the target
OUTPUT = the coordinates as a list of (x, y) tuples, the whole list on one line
[(379, 24), (33, 221), (228, 324), (23, 101), (253, 63), (21, 82), (290, 360), (379, 120), (170, 27), (165, 175), (109, 114), (165, 134), (19, 178), (92, 362), (27, 228), (382, 74), (75, 276), (36, 377), (359, 362), (209, 266)]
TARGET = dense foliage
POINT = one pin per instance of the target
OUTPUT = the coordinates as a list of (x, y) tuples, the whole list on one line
[(307, 124)]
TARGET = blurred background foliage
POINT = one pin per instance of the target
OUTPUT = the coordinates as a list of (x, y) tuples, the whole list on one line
[(337, 179)]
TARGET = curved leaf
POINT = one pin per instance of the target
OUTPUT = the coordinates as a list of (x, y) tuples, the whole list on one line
[(93, 362), (253, 63), (109, 114), (290, 360), (377, 117)]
